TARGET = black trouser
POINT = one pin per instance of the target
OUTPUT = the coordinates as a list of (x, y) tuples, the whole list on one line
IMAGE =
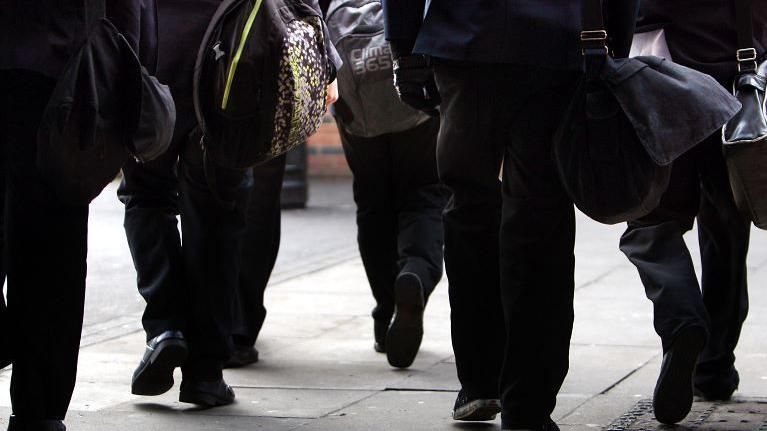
[(699, 186), (494, 113), (399, 208), (46, 250), (189, 287), (260, 245)]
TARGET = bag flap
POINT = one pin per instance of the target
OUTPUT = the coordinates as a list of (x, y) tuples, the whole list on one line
[(672, 107)]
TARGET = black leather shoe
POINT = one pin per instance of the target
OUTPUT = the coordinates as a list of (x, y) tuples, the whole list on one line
[(550, 425), (406, 330), (213, 393), (154, 375), (242, 356), (719, 387), (380, 328), (674, 391), (475, 409), (19, 424)]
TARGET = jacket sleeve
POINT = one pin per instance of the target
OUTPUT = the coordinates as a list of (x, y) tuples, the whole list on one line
[(402, 21), (621, 22), (330, 49)]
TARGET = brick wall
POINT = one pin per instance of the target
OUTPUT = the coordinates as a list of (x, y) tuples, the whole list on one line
[(326, 156)]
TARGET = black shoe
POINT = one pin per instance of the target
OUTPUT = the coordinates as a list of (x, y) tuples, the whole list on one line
[(213, 393), (406, 330), (475, 409), (550, 425), (17, 424), (380, 328), (674, 391), (719, 387), (154, 375), (242, 356)]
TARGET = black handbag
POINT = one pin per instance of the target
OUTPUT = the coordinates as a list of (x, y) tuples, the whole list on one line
[(744, 137), (628, 120), (104, 109)]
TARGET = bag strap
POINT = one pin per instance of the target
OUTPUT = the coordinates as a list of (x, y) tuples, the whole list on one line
[(594, 45), (94, 11), (746, 54)]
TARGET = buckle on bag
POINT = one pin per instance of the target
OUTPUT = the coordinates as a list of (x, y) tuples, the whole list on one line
[(594, 40), (747, 60)]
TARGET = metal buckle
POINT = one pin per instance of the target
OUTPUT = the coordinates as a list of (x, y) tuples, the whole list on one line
[(747, 60), (593, 39)]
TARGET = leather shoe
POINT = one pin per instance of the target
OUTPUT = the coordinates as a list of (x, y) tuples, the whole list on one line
[(242, 356), (550, 425), (210, 393), (380, 328), (154, 375), (718, 387), (674, 391), (475, 409), (406, 330), (19, 424)]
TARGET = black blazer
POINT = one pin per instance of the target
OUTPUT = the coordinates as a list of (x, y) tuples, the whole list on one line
[(529, 32), (701, 33)]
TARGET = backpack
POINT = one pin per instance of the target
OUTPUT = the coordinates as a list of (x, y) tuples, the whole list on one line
[(260, 80), (368, 104)]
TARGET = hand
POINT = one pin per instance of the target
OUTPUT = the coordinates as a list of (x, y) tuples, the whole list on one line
[(332, 93), (414, 81)]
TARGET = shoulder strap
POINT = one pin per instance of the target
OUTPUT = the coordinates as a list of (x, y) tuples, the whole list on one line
[(744, 19), (94, 11), (593, 37)]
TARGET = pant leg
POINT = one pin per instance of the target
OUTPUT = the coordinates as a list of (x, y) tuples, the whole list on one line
[(150, 194), (724, 237), (419, 199), (536, 242), (370, 162), (654, 244), (469, 154), (212, 229), (260, 245), (46, 249)]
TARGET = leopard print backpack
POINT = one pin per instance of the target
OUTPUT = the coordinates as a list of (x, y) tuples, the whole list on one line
[(260, 80)]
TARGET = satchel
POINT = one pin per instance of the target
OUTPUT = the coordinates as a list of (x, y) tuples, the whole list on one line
[(628, 120), (104, 109), (744, 137), (260, 80)]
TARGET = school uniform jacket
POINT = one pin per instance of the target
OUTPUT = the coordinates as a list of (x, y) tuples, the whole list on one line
[(702, 34)]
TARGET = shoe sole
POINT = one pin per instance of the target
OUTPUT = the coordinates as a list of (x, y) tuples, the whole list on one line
[(156, 377), (674, 391), (406, 330), (478, 410), (204, 399)]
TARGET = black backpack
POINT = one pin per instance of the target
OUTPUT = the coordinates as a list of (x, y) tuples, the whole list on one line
[(260, 80), (368, 104)]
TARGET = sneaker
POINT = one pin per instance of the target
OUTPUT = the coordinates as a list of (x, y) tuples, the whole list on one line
[(674, 391), (475, 409)]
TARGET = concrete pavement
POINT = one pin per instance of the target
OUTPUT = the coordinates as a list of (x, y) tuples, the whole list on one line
[(318, 370)]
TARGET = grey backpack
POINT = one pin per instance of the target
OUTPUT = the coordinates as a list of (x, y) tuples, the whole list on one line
[(368, 104)]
